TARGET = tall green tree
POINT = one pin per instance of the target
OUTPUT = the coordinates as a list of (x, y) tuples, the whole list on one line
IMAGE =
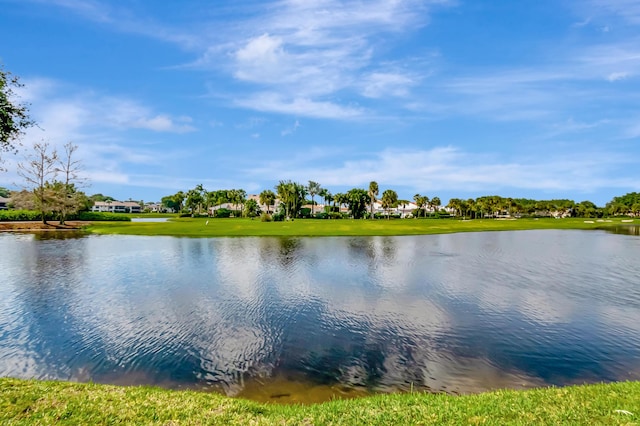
[(421, 202), (101, 197), (313, 189), (238, 198), (194, 199), (14, 116), (389, 199), (251, 208), (292, 196), (340, 199), (357, 200), (217, 198), (436, 203), (373, 193), (456, 205), (326, 196), (267, 198)]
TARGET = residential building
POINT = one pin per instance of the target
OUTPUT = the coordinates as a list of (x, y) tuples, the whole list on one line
[(116, 207)]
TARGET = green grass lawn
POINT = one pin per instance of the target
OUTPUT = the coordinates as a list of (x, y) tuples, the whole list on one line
[(203, 227), (35, 402)]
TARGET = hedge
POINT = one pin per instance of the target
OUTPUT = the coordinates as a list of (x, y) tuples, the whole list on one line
[(32, 215)]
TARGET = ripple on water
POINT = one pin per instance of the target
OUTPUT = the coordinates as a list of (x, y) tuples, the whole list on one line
[(305, 320)]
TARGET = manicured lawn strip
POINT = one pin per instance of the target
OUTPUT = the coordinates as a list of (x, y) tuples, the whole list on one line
[(35, 402), (202, 227)]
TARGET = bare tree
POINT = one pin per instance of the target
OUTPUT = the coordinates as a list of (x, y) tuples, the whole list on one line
[(49, 195), (39, 167), (69, 199)]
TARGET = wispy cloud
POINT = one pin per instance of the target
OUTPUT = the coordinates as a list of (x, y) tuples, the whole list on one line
[(453, 169), (629, 10), (299, 54), (65, 109), (122, 19), (290, 130), (275, 102), (98, 123)]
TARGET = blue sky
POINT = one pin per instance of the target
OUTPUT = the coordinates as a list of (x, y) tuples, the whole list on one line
[(536, 99)]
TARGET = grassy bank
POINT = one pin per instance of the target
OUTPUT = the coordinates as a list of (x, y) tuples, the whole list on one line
[(188, 227), (33, 402)]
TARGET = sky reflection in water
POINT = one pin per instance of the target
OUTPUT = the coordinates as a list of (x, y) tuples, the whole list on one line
[(274, 318)]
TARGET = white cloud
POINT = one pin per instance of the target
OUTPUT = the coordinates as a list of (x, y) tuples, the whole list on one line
[(382, 84), (450, 168), (273, 102), (290, 130), (629, 10), (304, 52), (615, 76), (97, 123), (124, 20), (262, 56), (163, 123)]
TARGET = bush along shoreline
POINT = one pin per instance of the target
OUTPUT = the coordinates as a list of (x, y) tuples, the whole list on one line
[(33, 216)]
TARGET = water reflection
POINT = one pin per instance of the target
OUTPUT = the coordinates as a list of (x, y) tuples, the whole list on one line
[(301, 319), (625, 229)]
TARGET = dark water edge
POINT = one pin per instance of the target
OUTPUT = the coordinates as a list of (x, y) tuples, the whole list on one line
[(307, 320), (623, 229)]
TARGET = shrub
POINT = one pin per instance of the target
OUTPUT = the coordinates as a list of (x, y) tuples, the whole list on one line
[(21, 215), (222, 212), (264, 217), (99, 216), (321, 216), (305, 212), (278, 217), (33, 215)]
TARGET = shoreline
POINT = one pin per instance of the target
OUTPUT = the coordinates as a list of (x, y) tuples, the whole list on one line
[(33, 226), (239, 227), (48, 402)]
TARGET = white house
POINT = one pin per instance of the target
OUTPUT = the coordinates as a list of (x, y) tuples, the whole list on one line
[(116, 207)]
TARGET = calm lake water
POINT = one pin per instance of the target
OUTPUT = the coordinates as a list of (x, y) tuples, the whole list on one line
[(307, 319)]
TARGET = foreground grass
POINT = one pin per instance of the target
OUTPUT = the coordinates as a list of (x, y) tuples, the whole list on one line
[(188, 227), (34, 402)]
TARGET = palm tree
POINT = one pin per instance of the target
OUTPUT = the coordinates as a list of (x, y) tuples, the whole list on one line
[(313, 188), (292, 194), (421, 202), (403, 203), (471, 207), (267, 198), (373, 193), (389, 199), (241, 198), (456, 205), (436, 203), (341, 199), (326, 195)]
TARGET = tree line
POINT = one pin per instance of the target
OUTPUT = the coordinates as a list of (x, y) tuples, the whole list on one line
[(359, 202)]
